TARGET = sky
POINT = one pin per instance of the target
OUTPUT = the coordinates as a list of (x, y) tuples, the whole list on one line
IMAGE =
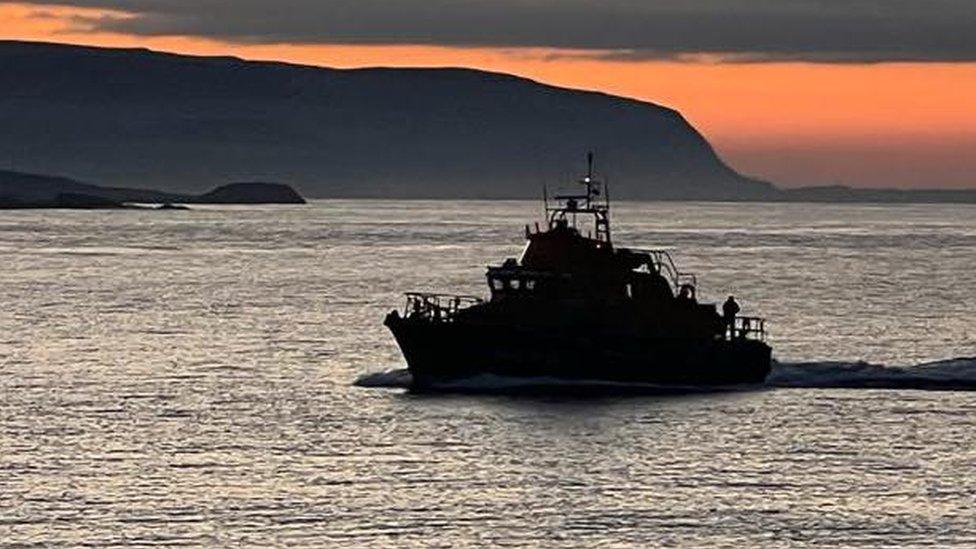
[(867, 93)]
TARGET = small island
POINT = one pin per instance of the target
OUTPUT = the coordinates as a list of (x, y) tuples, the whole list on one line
[(250, 193)]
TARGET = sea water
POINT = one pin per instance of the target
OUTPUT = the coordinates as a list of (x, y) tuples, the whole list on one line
[(186, 378)]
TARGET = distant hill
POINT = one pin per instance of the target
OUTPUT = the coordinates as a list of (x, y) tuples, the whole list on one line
[(132, 117), (23, 190)]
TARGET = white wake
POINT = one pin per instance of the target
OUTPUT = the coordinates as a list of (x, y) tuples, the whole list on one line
[(957, 374)]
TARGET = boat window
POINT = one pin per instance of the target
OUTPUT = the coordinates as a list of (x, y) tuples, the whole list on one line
[(530, 285), (630, 290), (497, 284), (517, 284)]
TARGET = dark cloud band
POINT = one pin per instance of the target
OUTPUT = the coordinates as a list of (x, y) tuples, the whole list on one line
[(751, 30)]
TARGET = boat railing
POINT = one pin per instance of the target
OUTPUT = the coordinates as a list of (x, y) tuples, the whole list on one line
[(665, 265), (749, 327), (686, 279), (437, 307)]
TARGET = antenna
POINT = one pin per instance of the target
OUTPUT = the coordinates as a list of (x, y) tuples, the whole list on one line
[(568, 206)]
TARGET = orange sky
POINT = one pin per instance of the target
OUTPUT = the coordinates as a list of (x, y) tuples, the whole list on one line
[(890, 124)]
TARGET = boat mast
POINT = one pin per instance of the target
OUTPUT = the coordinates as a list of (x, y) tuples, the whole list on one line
[(588, 203), (601, 211)]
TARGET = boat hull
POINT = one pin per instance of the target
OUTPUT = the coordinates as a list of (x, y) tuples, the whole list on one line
[(440, 353)]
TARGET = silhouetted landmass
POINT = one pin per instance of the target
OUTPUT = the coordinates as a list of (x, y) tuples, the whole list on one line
[(251, 193), (63, 201), (182, 124), (22, 190)]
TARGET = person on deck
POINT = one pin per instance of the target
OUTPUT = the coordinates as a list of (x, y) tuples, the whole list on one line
[(729, 310)]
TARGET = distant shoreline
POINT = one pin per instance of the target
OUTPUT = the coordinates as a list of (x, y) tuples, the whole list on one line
[(20, 190), (788, 197)]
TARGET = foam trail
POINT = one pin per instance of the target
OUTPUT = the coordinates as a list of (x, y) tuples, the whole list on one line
[(399, 378), (958, 374), (953, 374), (491, 384)]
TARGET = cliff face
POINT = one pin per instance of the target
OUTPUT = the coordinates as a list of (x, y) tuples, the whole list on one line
[(183, 124)]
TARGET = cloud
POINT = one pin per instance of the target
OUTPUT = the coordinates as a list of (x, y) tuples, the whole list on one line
[(742, 30)]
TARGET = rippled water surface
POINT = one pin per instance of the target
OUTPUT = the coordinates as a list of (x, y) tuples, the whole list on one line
[(186, 378)]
